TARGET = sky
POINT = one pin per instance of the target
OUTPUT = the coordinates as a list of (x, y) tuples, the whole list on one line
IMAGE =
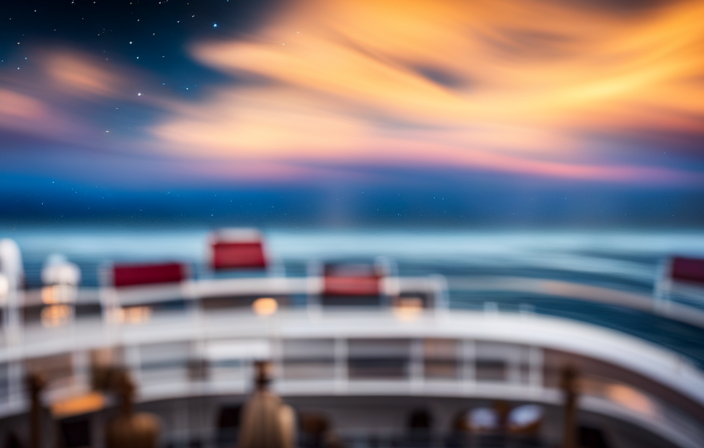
[(353, 112)]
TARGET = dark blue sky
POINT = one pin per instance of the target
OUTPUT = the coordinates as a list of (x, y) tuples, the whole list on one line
[(301, 113)]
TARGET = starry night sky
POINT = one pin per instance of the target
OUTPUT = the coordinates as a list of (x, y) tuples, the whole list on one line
[(352, 113)]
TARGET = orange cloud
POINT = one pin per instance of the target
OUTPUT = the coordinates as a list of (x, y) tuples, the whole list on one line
[(71, 71), (499, 85)]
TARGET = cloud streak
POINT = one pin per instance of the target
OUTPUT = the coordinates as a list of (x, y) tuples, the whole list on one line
[(501, 86), (554, 90)]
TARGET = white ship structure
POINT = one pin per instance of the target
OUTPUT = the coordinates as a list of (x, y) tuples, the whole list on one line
[(372, 357)]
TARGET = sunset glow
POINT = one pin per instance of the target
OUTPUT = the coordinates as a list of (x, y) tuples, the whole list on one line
[(443, 97), (489, 85)]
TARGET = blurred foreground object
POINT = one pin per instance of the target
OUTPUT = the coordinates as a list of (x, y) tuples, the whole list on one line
[(569, 378), (266, 422), (35, 386), (526, 420), (130, 430), (317, 431)]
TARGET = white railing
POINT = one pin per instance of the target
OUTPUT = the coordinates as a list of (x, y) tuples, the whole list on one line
[(369, 352)]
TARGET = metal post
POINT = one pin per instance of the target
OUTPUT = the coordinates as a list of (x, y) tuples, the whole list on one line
[(468, 364), (417, 361), (340, 359), (535, 372)]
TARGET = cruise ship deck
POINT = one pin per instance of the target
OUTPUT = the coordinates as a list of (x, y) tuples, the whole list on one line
[(456, 347)]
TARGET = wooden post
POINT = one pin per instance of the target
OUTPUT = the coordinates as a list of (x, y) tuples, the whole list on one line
[(570, 388), (262, 376), (130, 430), (125, 390), (35, 385)]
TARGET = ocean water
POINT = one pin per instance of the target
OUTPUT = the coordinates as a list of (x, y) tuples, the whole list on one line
[(619, 258), (622, 260)]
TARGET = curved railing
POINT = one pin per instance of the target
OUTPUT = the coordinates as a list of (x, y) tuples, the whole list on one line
[(318, 351)]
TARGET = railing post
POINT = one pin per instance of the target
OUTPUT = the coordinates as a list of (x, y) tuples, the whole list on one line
[(662, 288), (535, 372), (468, 364), (341, 374), (417, 376)]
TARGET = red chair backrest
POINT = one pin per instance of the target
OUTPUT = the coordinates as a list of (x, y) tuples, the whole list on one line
[(238, 255), (687, 269), (147, 274), (352, 286), (351, 280)]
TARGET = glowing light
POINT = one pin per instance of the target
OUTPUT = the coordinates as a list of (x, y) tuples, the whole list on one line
[(133, 315), (265, 306), (408, 308), (630, 398), (56, 294), (83, 404), (49, 296), (55, 315)]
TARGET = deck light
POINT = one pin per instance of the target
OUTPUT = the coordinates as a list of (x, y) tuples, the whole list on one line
[(265, 306)]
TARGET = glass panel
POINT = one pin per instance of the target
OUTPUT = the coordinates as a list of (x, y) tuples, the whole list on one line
[(497, 361), (156, 355), (524, 367), (491, 370), (164, 362), (378, 358), (308, 358), (229, 370), (88, 310), (440, 358), (4, 382)]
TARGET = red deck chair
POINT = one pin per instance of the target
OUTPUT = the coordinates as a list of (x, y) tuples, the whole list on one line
[(147, 274), (237, 249), (682, 279)]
